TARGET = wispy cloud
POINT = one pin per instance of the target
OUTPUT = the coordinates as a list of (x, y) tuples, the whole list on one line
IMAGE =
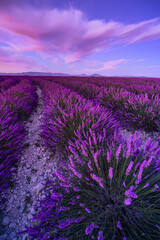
[(92, 63), (154, 66), (141, 60), (112, 64), (107, 65), (12, 60), (68, 32)]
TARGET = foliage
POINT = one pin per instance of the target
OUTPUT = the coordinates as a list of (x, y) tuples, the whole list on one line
[(107, 196)]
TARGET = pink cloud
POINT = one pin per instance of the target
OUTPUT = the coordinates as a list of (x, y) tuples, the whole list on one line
[(92, 63), (13, 61), (113, 64), (13, 65), (68, 32), (109, 65)]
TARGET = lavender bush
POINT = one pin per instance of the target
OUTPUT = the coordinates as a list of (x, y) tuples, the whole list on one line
[(16, 104), (21, 99), (7, 83), (105, 196), (138, 111), (71, 113), (11, 134), (141, 112)]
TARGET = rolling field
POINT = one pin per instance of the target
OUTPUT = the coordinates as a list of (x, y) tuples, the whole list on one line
[(79, 158)]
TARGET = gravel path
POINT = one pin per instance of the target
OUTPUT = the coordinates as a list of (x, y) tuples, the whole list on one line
[(35, 165)]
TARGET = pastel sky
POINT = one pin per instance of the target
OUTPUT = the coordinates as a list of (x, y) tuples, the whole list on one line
[(112, 38)]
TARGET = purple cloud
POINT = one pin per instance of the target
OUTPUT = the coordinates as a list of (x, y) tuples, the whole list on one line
[(68, 32)]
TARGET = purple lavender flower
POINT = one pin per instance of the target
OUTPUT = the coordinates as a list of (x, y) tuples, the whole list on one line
[(56, 196), (129, 168), (71, 162), (118, 152), (109, 155), (100, 235), (66, 223), (139, 177), (129, 192), (155, 187), (129, 146), (147, 143), (133, 195), (79, 220), (90, 228), (74, 171), (95, 159), (128, 201), (60, 176), (84, 151), (149, 161), (89, 165), (147, 184), (87, 178), (65, 185), (119, 225), (137, 165), (87, 210), (81, 204), (63, 208), (154, 146), (98, 179), (76, 189), (110, 172)]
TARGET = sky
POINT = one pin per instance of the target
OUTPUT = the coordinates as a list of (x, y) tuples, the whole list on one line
[(111, 38)]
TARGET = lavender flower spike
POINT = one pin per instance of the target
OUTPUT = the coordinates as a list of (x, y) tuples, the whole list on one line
[(139, 177), (129, 168), (87, 210), (109, 156), (118, 152), (74, 171), (129, 146), (89, 165), (128, 201), (98, 179), (110, 172), (119, 225), (90, 228), (147, 184), (60, 176), (95, 159), (100, 235)]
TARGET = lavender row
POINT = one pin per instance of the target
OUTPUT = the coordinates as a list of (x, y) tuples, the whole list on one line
[(16, 104), (141, 111), (138, 111), (134, 85), (21, 99), (7, 83), (111, 191), (67, 111)]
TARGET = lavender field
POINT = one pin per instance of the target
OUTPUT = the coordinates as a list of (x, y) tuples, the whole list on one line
[(79, 158)]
